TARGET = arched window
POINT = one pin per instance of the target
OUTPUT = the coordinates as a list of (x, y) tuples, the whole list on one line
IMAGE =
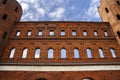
[(112, 50), (76, 53), (12, 52), (89, 53), (63, 53), (37, 53), (87, 79), (24, 54), (50, 53), (101, 53)]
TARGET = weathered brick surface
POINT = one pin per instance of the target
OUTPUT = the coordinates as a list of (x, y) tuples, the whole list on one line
[(94, 75)]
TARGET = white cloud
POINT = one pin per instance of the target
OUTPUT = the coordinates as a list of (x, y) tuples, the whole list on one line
[(41, 11), (92, 11), (57, 14)]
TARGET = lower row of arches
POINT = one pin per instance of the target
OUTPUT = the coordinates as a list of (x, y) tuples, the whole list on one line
[(63, 53)]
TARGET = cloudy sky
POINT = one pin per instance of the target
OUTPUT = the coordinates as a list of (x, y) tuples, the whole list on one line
[(60, 10)]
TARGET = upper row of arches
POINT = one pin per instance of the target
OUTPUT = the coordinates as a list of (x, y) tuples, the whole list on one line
[(63, 53)]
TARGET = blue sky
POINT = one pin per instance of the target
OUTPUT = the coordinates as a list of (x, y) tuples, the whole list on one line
[(60, 10)]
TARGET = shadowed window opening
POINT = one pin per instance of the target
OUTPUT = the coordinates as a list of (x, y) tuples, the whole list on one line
[(4, 35), (118, 2), (118, 33), (4, 17), (4, 1), (118, 16), (41, 79), (106, 9), (16, 9)]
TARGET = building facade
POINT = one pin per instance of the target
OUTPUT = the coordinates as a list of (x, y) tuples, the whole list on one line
[(59, 50)]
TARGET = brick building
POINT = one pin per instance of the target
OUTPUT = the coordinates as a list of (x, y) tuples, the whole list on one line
[(59, 50)]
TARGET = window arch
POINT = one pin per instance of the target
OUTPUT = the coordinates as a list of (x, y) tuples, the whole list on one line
[(101, 53), (24, 53), (12, 52), (37, 53), (63, 53), (112, 50), (50, 53), (87, 79), (89, 53), (76, 53)]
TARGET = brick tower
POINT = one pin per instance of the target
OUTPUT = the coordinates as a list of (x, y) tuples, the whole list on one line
[(59, 50), (10, 12), (110, 12)]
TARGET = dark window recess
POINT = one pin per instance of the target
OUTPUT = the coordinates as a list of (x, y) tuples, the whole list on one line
[(106, 9), (4, 35), (16, 9), (4, 17), (118, 2), (118, 33), (4, 1), (41, 79), (118, 16)]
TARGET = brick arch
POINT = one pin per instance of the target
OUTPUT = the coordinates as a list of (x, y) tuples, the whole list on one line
[(42, 75)]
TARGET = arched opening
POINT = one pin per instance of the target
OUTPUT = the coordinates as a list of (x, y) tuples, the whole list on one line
[(63, 53), (37, 53), (101, 53), (41, 79), (50, 53), (4, 17), (12, 52), (76, 53), (24, 53), (89, 53), (87, 79), (112, 50)]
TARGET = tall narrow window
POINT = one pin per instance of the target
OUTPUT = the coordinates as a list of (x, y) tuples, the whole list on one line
[(100, 50), (73, 32), (76, 53), (118, 2), (84, 33), (62, 33), (112, 50), (118, 33), (12, 52), (29, 33), (40, 33), (118, 16), (4, 1), (4, 35), (106, 9), (105, 33), (51, 33), (50, 53), (63, 53), (37, 53), (18, 33), (16, 9), (95, 33), (89, 53), (24, 53), (4, 17)]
